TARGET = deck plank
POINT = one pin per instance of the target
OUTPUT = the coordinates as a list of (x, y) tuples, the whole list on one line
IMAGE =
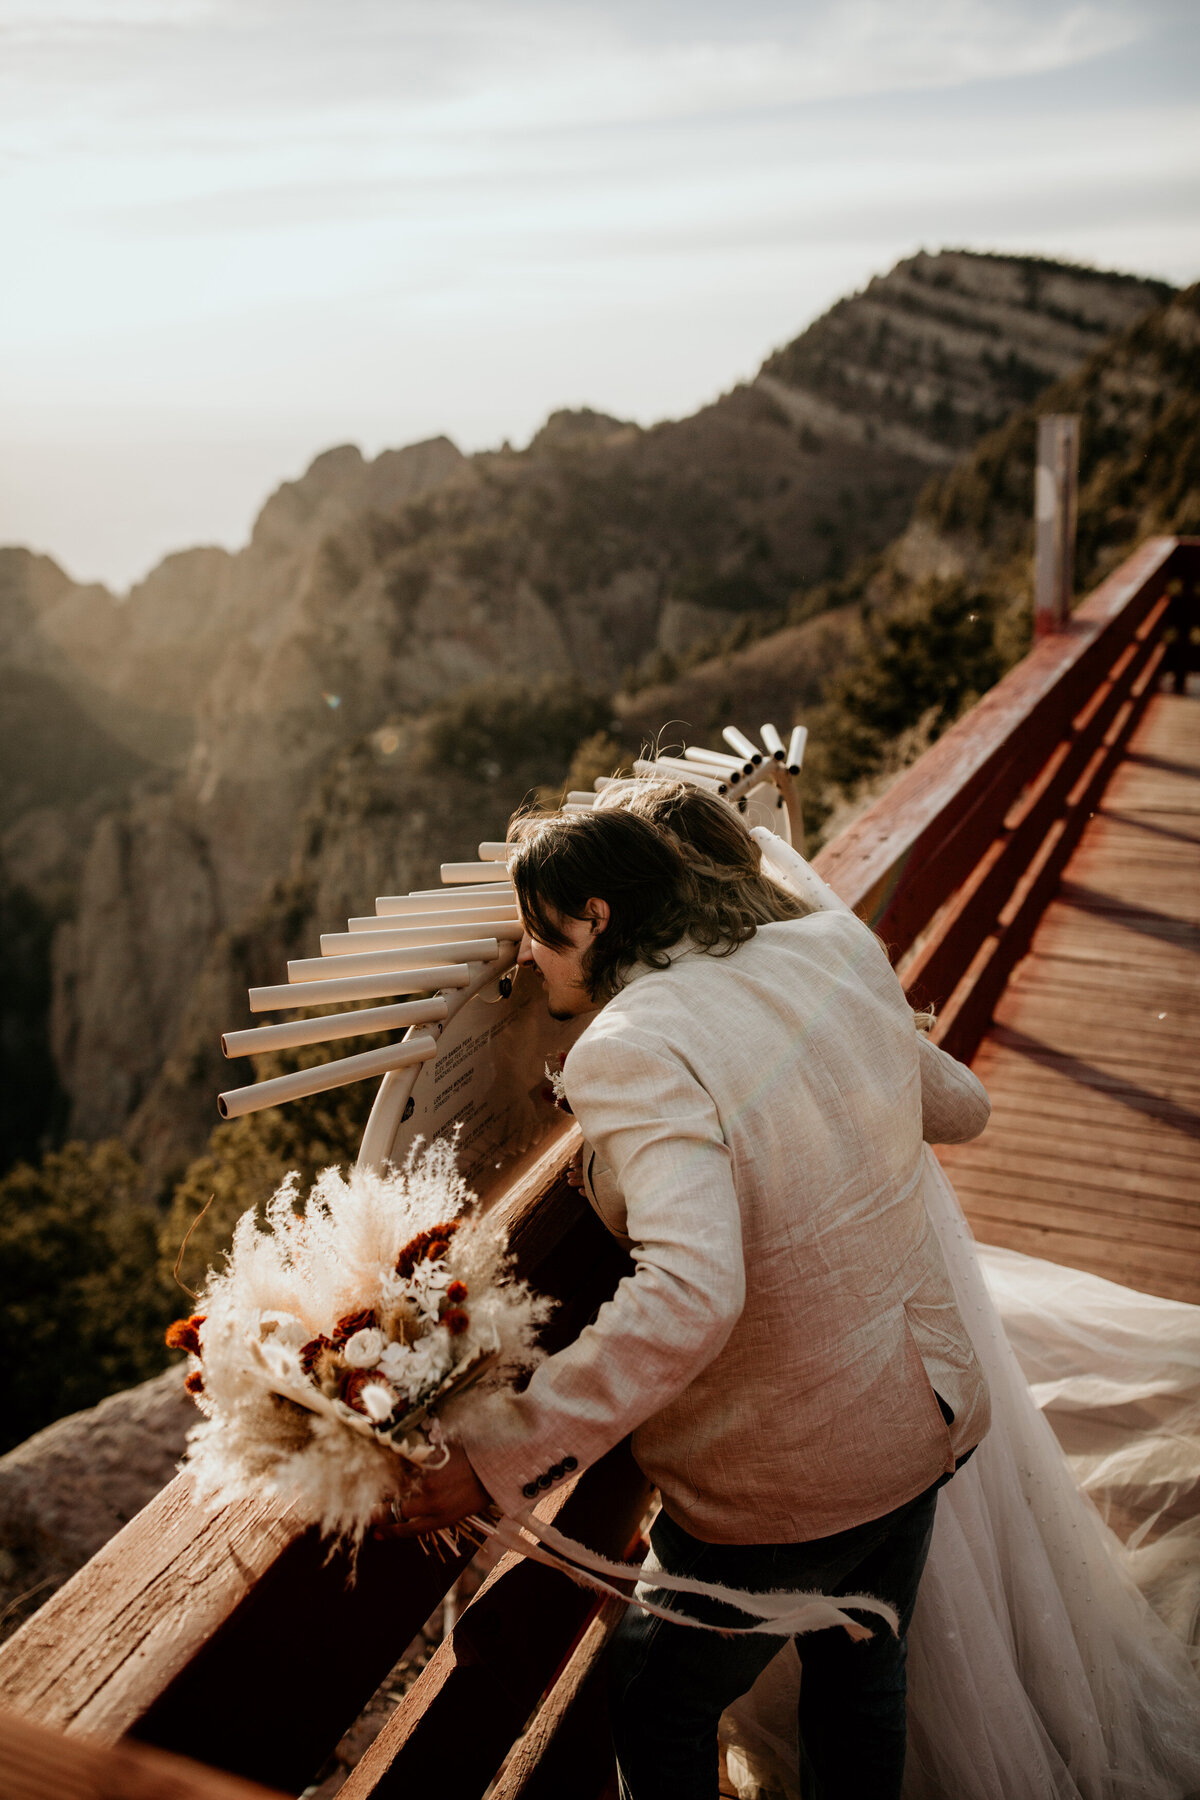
[(1092, 1156)]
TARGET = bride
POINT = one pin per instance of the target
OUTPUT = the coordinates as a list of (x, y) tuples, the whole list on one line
[(1037, 1668)]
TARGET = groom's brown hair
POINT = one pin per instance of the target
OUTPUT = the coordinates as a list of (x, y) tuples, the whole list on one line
[(561, 861), (659, 885)]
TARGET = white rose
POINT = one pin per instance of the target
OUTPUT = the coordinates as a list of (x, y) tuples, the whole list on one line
[(378, 1400), (364, 1349)]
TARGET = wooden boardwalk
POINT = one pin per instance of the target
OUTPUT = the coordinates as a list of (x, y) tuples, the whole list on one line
[(1092, 1156)]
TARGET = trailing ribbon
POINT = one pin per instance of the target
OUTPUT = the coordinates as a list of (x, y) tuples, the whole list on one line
[(777, 1615)]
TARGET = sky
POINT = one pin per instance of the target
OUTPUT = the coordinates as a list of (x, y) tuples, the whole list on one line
[(237, 232)]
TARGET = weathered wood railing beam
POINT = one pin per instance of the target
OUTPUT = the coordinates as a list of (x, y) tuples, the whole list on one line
[(954, 862), (502, 1655), (35, 1763), (569, 1740)]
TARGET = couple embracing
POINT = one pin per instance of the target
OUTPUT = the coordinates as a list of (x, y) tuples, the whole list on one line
[(754, 1095)]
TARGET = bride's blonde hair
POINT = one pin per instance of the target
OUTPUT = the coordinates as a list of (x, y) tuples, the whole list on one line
[(723, 859)]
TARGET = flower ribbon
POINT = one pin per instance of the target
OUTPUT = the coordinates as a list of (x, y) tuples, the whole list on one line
[(786, 1614)]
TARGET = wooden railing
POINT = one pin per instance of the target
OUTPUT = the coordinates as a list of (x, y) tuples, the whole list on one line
[(954, 865), (229, 1638)]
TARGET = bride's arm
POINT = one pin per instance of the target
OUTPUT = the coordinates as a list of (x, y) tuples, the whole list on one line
[(954, 1102)]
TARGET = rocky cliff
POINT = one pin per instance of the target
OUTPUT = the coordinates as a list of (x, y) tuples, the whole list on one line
[(232, 750)]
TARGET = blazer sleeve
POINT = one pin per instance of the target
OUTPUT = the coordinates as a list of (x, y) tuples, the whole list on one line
[(658, 1132), (954, 1102)]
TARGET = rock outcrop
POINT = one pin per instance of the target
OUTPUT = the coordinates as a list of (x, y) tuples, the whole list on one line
[(69, 1488)]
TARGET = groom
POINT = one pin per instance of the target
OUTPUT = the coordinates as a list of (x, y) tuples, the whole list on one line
[(788, 1353)]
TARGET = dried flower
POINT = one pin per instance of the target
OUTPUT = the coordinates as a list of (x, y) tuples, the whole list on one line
[(556, 1093), (184, 1334), (378, 1401), (194, 1382), (364, 1349), (456, 1293), (311, 1351), (455, 1320), (401, 1322), (355, 1321), (394, 1359), (353, 1386), (433, 1243), (415, 1371), (327, 1371)]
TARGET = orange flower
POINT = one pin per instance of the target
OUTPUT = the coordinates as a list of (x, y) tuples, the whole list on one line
[(456, 1293), (455, 1320), (184, 1334), (194, 1383)]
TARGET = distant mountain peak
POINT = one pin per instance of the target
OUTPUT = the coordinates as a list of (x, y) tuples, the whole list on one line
[(942, 348), (570, 425)]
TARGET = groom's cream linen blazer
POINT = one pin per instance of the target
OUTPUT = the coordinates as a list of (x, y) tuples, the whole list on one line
[(779, 1349)]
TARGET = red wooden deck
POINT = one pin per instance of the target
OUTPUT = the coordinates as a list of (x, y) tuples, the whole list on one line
[(1092, 1156)]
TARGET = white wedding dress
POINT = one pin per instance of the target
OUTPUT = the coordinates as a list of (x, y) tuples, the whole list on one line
[(1038, 1669)]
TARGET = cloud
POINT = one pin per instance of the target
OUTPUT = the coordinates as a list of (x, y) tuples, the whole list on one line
[(312, 219)]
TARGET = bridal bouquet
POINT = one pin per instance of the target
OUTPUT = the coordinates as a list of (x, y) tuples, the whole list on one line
[(339, 1344)]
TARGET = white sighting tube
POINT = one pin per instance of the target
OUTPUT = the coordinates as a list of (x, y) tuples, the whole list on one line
[(690, 771), (742, 786), (360, 987), (461, 918), (739, 742), (773, 741), (717, 759), (335, 1026), (478, 893), (493, 853), (795, 749), (457, 874), (320, 969), (663, 771), (423, 900), (346, 943), (329, 1075)]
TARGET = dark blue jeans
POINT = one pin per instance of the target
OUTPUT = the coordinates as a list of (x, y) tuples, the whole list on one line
[(669, 1685)]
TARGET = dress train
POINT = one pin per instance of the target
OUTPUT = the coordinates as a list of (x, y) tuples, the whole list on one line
[(1037, 1668)]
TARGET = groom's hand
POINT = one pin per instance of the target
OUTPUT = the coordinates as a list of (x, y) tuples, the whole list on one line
[(446, 1495)]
